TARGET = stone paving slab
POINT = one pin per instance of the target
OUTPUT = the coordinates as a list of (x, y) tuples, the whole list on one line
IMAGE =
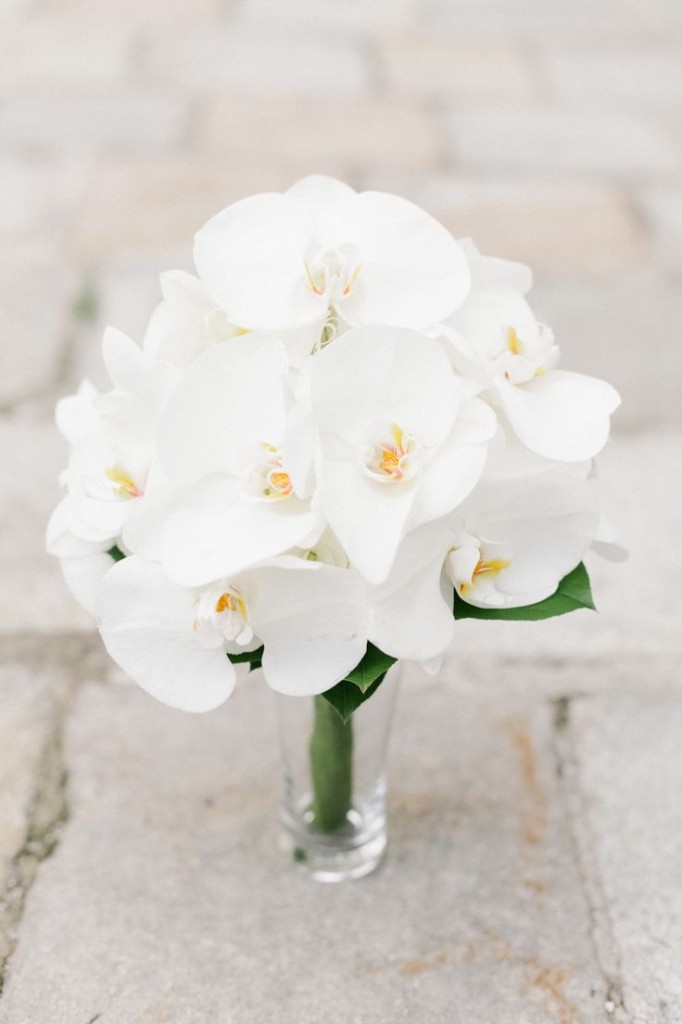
[(33, 332), (285, 131), (215, 59), (590, 143), (33, 697), (168, 900), (628, 756), (613, 332)]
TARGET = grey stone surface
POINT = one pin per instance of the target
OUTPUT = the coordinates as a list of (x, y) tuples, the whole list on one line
[(25, 718), (169, 901), (32, 699), (625, 333), (35, 289), (90, 120), (663, 210), (628, 751), (622, 145)]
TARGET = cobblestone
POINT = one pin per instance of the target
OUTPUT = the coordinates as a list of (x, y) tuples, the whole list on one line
[(215, 60), (60, 49), (287, 132), (586, 142), (633, 77), (37, 197), (34, 295), (152, 15), (353, 18), (663, 209), (630, 767), (605, 331), (81, 121), (456, 69)]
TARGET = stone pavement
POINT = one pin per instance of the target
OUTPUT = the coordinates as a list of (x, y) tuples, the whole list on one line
[(534, 872)]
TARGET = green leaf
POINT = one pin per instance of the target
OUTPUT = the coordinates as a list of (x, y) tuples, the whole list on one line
[(254, 659), (573, 593), (347, 697), (116, 553), (374, 664)]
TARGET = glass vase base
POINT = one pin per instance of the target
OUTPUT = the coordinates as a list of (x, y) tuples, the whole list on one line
[(350, 852)]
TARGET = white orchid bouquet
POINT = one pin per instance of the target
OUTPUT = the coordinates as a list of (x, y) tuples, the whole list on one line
[(348, 431)]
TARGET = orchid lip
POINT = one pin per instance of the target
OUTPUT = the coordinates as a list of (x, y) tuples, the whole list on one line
[(222, 616), (392, 458), (269, 480), (114, 484), (473, 567), (332, 272)]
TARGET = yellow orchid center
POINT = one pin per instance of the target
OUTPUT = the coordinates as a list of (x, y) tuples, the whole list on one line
[(485, 570), (231, 601), (514, 343), (271, 480), (391, 459), (124, 487), (221, 615)]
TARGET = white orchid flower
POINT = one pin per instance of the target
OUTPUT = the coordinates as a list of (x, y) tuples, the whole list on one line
[(113, 437), (495, 337), (173, 640), (84, 563), (188, 321), (75, 414), (509, 545), (491, 271), (278, 261), (402, 439), (607, 543), (222, 443)]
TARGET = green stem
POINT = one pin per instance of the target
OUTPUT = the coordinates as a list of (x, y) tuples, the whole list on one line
[(331, 766)]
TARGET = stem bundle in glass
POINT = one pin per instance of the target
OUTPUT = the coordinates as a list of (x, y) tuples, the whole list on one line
[(331, 766)]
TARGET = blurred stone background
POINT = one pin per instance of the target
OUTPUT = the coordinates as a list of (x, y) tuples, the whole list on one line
[(551, 133)]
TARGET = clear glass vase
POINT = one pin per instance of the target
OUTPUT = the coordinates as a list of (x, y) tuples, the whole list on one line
[(334, 783)]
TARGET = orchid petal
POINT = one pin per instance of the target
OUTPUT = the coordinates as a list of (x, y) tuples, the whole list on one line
[(413, 273), (563, 416), (217, 532), (312, 619), (411, 611), (231, 397), (250, 257), (147, 629)]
